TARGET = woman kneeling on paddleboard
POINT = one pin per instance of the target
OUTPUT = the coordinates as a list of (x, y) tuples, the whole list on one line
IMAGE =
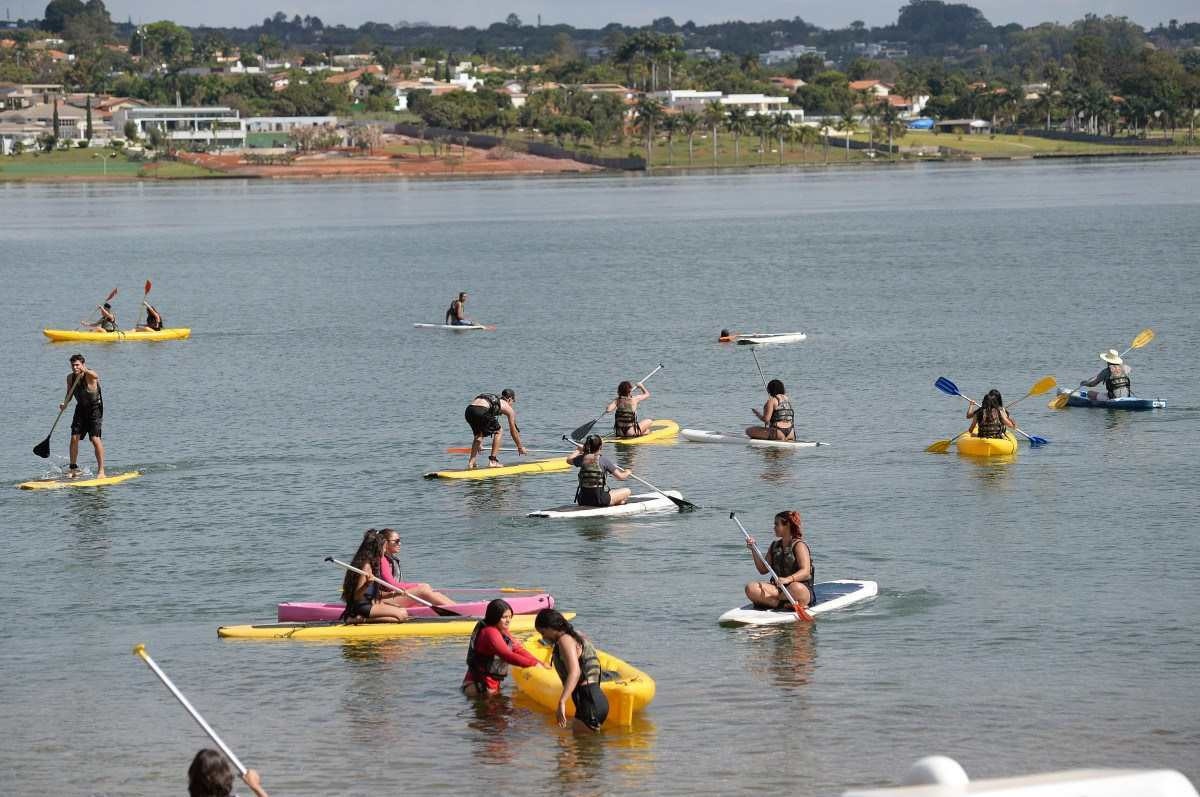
[(791, 559), (491, 651), (777, 414), (624, 409), (991, 419), (365, 599), (388, 569), (578, 667), (594, 468)]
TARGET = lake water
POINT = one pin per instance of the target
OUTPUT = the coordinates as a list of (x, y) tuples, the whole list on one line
[(1033, 615)]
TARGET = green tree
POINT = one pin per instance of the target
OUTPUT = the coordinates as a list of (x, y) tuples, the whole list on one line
[(88, 132), (846, 125), (781, 126), (131, 130), (648, 114), (58, 12), (163, 41), (761, 124), (714, 117), (670, 126), (738, 124), (689, 123)]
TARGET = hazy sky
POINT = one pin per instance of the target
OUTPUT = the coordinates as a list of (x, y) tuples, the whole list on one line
[(596, 14)]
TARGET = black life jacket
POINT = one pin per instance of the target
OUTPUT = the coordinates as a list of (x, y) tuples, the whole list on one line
[(589, 664), (1118, 382), (625, 417), (493, 403), (491, 665), (453, 314), (783, 414), (591, 474), (784, 563), (86, 402), (108, 325), (150, 322), (991, 426)]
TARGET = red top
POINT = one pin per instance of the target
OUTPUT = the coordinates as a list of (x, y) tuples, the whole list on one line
[(490, 642), (385, 574)]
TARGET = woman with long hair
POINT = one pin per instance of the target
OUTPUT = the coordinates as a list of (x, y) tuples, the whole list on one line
[(990, 419), (365, 599), (594, 469), (389, 570), (492, 651), (624, 409), (778, 417), (211, 776), (791, 560), (574, 659)]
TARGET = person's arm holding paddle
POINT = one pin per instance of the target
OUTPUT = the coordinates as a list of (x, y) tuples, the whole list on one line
[(767, 410), (759, 564)]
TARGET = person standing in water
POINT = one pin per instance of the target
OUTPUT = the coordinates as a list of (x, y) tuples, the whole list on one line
[(578, 667), (83, 385), (456, 315), (492, 652), (483, 416)]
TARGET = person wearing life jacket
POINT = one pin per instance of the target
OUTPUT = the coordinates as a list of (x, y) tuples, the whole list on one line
[(483, 416), (777, 415), (154, 319), (990, 419), (388, 569), (456, 314), (107, 321), (791, 559), (574, 659), (492, 651), (1115, 377), (366, 601), (624, 409), (83, 385), (594, 469)]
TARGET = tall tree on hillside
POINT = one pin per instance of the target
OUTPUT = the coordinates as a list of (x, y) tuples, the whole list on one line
[(714, 117), (689, 123), (648, 114), (889, 117), (88, 132), (738, 124)]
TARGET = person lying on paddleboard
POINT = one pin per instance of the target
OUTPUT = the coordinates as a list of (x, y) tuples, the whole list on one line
[(624, 409), (211, 776), (365, 599), (389, 570), (991, 419), (791, 559), (456, 314), (483, 416), (1115, 377), (492, 651), (83, 385), (777, 414), (594, 468), (154, 319), (107, 322), (578, 667)]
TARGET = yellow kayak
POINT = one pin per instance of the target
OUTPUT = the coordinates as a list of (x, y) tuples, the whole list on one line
[(973, 446), (95, 336), (484, 472), (660, 432), (627, 688), (58, 484), (422, 627)]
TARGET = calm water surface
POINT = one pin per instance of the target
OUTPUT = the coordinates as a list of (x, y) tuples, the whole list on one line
[(1033, 615)]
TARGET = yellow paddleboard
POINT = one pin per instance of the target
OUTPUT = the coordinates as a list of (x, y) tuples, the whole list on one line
[(98, 336), (58, 484), (660, 432), (433, 626), (484, 472)]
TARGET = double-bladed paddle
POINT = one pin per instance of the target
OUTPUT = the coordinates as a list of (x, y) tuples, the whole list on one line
[(946, 386), (442, 610), (582, 431), (42, 449), (1143, 337), (801, 612)]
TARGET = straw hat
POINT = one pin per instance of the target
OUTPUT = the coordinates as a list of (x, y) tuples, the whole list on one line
[(1112, 357)]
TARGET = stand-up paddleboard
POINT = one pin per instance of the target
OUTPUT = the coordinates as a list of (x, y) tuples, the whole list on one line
[(484, 472), (661, 431), (1079, 398), (451, 327), (59, 484), (759, 338), (706, 436), (424, 627), (307, 612), (828, 596), (636, 505), (99, 336)]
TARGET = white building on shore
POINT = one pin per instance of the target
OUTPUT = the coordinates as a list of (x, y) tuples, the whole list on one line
[(216, 127)]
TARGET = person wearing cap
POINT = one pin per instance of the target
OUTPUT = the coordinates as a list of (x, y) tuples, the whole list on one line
[(107, 321), (456, 313), (594, 469), (1115, 377), (483, 416)]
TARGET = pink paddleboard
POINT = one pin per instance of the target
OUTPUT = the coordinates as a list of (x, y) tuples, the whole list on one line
[(308, 612)]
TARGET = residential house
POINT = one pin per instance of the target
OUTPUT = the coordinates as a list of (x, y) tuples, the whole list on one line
[(286, 124), (188, 127), (971, 126), (705, 53), (402, 88), (788, 84), (876, 87), (786, 54), (353, 78), (38, 119)]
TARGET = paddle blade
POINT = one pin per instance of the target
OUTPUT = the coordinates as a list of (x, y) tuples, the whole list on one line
[(1143, 337), (109, 298), (940, 447), (458, 450), (684, 506), (946, 386), (583, 431), (802, 613), (42, 449), (1042, 385), (1037, 442), (146, 290), (1059, 401), (444, 612)]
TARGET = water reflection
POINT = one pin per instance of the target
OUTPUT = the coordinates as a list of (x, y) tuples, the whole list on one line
[(785, 655), (491, 716), (90, 514), (489, 495), (777, 464), (991, 471)]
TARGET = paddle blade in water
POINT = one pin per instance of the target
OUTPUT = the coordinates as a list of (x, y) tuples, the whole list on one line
[(1059, 401), (946, 386), (940, 447), (42, 449), (1037, 442), (1042, 385), (1143, 337)]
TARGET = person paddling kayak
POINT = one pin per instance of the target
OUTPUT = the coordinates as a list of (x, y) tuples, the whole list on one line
[(365, 599), (211, 776), (492, 651), (578, 667), (456, 314), (594, 469), (389, 570), (483, 416), (83, 385), (107, 322), (777, 415), (624, 409), (154, 319), (990, 419), (1115, 377), (791, 560)]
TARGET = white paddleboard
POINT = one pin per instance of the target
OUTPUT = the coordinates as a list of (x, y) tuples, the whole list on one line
[(636, 505), (451, 327), (707, 436), (830, 596), (771, 337)]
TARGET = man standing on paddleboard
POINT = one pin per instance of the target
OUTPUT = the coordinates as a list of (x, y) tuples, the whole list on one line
[(83, 385), (483, 416)]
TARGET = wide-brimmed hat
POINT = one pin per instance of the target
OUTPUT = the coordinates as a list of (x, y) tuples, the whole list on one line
[(1112, 357)]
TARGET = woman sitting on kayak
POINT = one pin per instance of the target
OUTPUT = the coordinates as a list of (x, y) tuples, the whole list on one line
[(777, 415), (624, 409), (991, 419), (791, 560), (594, 468), (365, 599), (491, 651), (389, 570), (578, 667), (154, 319)]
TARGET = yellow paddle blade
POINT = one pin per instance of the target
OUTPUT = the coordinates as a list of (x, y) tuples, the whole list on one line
[(1042, 385), (940, 447), (1143, 337), (1059, 401)]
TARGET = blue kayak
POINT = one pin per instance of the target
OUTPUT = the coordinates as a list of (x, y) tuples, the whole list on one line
[(1079, 398)]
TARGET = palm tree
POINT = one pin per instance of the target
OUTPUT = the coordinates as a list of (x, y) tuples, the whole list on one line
[(738, 124), (648, 113), (846, 124), (714, 117), (890, 117), (870, 111), (761, 123), (689, 123), (670, 126), (781, 126), (806, 136)]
